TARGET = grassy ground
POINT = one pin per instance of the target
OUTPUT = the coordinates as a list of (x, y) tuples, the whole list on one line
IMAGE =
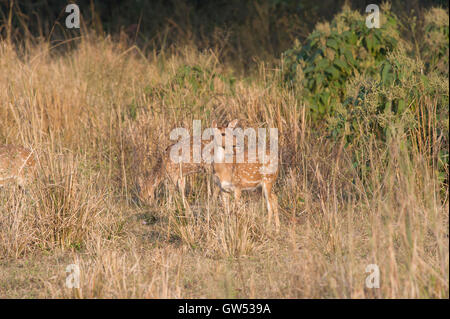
[(96, 116)]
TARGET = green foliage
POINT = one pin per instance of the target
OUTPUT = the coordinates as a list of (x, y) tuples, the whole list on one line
[(334, 53), (367, 84), (405, 103), (435, 49), (393, 98)]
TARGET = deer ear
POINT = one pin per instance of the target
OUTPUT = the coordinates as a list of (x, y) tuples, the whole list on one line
[(233, 123), (214, 124)]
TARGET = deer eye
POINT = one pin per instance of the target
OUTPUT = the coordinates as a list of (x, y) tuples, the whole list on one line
[(223, 134)]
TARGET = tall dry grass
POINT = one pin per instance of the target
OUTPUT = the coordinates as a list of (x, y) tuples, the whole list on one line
[(98, 114)]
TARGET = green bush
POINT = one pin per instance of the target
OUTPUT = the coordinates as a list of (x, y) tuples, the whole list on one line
[(365, 83), (334, 53), (396, 98)]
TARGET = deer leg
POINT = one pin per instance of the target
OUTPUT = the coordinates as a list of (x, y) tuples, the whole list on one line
[(225, 199), (272, 204), (181, 186), (215, 188), (152, 185), (237, 196), (269, 207), (215, 192), (275, 210), (172, 184)]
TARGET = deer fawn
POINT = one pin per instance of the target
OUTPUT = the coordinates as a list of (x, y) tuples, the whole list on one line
[(236, 177), (16, 164)]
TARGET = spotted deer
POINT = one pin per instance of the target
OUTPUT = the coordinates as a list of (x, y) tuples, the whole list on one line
[(17, 164), (236, 176), (175, 173)]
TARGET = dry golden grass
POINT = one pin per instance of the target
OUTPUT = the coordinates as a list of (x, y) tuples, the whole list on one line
[(96, 116)]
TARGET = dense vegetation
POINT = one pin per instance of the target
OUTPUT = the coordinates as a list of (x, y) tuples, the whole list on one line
[(366, 82)]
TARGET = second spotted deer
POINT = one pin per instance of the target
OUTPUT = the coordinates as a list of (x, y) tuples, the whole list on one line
[(174, 173)]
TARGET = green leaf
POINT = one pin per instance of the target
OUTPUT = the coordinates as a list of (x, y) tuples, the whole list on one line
[(333, 72), (332, 43), (322, 64), (309, 69), (401, 106), (341, 64), (367, 42), (385, 74), (321, 108), (319, 80), (324, 98), (349, 57)]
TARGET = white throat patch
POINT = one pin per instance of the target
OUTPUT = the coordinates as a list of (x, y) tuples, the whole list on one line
[(219, 154)]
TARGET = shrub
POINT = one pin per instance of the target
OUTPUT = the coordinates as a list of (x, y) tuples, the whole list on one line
[(406, 103), (335, 53), (365, 83)]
